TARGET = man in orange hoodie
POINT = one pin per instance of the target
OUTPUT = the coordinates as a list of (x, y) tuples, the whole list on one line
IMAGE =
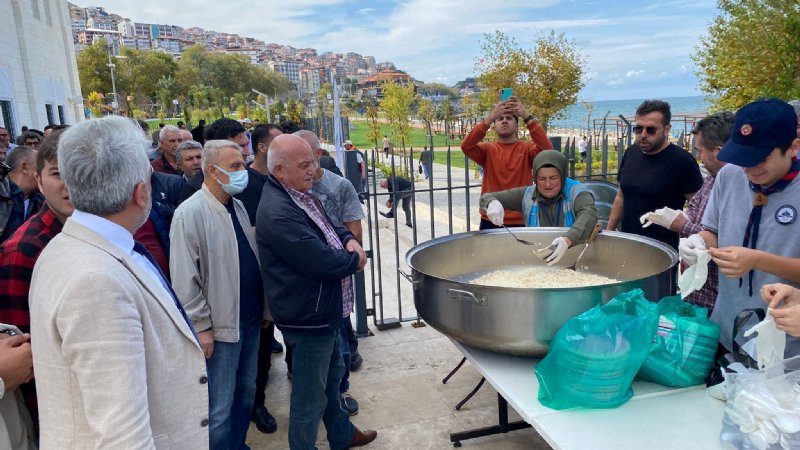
[(507, 162)]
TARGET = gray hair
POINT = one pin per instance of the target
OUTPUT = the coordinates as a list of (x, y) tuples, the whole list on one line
[(188, 145), (102, 161), (275, 158), (211, 151), (311, 138), (19, 155), (715, 128), (162, 134)]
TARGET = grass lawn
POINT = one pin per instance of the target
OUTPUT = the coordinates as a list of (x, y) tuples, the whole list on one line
[(456, 157), (359, 130)]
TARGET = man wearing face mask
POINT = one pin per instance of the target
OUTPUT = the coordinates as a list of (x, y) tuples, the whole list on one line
[(233, 131), (220, 286)]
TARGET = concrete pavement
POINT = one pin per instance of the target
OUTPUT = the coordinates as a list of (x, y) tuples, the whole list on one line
[(399, 387)]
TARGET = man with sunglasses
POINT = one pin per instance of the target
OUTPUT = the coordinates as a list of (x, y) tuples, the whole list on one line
[(653, 174), (710, 134)]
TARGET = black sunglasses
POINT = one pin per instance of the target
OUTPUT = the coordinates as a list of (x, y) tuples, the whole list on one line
[(638, 129)]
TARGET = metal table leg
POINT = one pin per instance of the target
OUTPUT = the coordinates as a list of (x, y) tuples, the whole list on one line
[(503, 425)]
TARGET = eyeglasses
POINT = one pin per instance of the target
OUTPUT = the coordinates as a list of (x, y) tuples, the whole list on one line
[(638, 129)]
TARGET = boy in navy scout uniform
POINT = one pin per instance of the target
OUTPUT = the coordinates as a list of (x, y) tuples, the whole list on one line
[(750, 226)]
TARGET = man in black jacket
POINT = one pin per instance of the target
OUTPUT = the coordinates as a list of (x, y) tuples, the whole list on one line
[(306, 267), (401, 190)]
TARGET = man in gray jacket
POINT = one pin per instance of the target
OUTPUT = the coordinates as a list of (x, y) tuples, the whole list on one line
[(220, 286)]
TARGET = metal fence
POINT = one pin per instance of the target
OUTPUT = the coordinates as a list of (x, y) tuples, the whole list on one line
[(444, 204)]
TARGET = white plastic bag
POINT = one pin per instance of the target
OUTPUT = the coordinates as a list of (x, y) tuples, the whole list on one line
[(763, 408)]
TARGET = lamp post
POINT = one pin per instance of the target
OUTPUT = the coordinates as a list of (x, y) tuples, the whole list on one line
[(111, 65), (266, 103)]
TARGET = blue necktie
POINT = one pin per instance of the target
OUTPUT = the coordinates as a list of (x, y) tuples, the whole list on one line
[(142, 250)]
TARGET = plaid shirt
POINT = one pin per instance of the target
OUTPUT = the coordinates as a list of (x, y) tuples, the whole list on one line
[(311, 206), (19, 254), (707, 296)]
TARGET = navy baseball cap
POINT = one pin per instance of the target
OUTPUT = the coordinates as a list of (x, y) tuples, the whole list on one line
[(760, 127)]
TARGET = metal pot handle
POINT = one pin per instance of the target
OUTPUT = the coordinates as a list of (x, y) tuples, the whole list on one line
[(458, 294), (408, 277)]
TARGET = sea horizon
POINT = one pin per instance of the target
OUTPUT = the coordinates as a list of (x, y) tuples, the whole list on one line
[(575, 116)]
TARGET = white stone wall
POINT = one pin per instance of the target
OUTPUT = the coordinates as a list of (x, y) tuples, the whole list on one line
[(37, 63)]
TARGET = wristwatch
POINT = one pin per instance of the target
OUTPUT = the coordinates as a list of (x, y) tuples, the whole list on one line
[(529, 118)]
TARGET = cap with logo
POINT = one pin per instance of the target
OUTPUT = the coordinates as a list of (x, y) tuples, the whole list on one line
[(760, 127)]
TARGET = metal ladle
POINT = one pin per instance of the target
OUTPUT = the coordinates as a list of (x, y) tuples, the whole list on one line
[(594, 234), (521, 241)]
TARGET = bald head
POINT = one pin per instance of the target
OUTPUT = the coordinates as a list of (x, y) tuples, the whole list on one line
[(291, 161), (186, 135)]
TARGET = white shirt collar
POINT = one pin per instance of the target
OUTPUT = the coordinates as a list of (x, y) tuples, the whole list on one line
[(114, 233)]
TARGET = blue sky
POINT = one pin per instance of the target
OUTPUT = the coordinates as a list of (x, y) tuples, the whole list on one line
[(632, 49)]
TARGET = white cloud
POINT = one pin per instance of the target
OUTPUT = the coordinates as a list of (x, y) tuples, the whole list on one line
[(439, 40)]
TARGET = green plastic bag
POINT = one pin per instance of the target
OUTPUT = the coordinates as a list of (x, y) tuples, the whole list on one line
[(595, 356), (682, 352)]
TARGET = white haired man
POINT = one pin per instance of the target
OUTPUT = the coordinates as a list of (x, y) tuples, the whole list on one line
[(217, 277), (117, 362), (169, 138)]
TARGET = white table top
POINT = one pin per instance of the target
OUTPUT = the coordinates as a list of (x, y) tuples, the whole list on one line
[(657, 417)]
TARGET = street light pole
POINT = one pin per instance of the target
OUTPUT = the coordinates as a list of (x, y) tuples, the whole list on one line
[(111, 65), (266, 103)]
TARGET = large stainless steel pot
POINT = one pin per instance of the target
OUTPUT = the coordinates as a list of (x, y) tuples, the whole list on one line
[(524, 321)]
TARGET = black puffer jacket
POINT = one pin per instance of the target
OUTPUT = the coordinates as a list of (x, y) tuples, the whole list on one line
[(302, 273)]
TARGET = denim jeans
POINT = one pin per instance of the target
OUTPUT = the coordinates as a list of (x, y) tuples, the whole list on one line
[(232, 388), (317, 370), (344, 386)]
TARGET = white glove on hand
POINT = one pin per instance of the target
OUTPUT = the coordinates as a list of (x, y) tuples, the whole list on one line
[(662, 216), (495, 212), (561, 248), (689, 248)]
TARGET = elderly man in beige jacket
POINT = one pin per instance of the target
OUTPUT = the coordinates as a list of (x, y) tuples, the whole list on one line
[(117, 363), (217, 277)]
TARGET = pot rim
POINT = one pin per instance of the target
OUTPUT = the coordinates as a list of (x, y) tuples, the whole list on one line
[(673, 255)]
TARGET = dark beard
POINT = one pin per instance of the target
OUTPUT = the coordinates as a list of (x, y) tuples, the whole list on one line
[(655, 148)]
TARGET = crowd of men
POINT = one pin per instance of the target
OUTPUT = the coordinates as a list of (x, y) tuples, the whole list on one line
[(152, 280)]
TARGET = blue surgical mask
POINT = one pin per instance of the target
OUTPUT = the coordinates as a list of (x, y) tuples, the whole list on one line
[(237, 181)]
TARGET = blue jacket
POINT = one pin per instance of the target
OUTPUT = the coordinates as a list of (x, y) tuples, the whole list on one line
[(166, 191), (302, 273)]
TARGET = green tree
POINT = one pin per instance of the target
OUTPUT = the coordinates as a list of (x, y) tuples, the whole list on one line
[(165, 91), (446, 114), (751, 51), (396, 105), (547, 79), (93, 69), (295, 110), (374, 132), (277, 109)]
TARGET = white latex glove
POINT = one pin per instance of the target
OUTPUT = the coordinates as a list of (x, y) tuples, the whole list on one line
[(689, 248), (561, 248), (662, 216), (495, 212)]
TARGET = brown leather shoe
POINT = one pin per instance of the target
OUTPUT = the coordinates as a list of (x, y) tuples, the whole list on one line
[(362, 438)]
